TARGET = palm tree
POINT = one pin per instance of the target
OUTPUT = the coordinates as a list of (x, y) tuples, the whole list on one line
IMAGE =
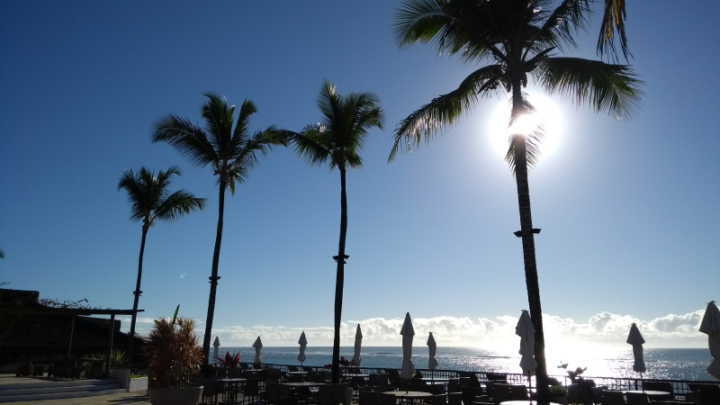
[(337, 140), (229, 148), (148, 193), (519, 39)]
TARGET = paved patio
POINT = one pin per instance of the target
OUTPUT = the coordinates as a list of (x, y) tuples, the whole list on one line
[(115, 399)]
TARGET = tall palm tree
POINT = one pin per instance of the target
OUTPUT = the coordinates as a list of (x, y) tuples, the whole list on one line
[(519, 39), (227, 145), (337, 140), (148, 193)]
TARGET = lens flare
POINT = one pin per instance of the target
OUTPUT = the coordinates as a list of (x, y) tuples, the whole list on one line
[(546, 115)]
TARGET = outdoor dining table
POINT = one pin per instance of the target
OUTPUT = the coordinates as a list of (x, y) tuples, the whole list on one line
[(436, 380), (654, 394), (409, 396), (297, 373), (297, 384), (356, 375)]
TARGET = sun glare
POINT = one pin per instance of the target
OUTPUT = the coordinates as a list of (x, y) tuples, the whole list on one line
[(547, 115)]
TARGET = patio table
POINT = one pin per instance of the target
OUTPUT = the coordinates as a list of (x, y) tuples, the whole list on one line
[(409, 396), (654, 394)]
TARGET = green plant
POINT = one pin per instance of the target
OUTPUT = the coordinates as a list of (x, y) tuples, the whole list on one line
[(173, 353)]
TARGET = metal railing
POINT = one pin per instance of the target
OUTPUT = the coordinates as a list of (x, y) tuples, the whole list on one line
[(679, 387)]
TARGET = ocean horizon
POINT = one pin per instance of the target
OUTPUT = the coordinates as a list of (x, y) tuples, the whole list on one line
[(661, 363)]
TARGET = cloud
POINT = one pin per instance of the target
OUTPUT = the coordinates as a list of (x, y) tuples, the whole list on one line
[(604, 329), (497, 333)]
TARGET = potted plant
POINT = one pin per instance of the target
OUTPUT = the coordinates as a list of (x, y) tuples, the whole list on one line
[(174, 358), (230, 363)]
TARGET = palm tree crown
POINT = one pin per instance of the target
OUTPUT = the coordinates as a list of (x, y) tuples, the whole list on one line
[(224, 144), (519, 38), (149, 196), (337, 139)]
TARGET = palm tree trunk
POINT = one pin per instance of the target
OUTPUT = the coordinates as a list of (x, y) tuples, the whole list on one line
[(528, 241), (340, 277), (137, 293), (214, 275)]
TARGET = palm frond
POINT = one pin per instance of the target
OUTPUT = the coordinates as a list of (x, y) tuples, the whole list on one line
[(247, 109), (529, 143), (605, 87), (186, 137), (565, 20), (612, 29), (311, 145), (445, 109), (420, 21), (218, 115), (179, 203), (137, 194)]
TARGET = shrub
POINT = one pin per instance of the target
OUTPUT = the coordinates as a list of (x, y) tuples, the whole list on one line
[(173, 353)]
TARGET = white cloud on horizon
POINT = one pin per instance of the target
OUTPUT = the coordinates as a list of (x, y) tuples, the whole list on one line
[(497, 333)]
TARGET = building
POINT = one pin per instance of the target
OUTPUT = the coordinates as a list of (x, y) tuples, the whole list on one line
[(35, 331)]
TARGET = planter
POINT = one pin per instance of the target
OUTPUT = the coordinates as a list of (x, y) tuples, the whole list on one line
[(121, 375), (172, 396), (138, 384)]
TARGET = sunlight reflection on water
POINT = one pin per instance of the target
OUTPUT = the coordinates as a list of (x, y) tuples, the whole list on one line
[(687, 364)]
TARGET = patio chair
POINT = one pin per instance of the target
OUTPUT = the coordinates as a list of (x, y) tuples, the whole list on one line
[(454, 398), (518, 392), (333, 394), (251, 390), (612, 398), (637, 399), (368, 397), (387, 399), (470, 394), (705, 394), (378, 379)]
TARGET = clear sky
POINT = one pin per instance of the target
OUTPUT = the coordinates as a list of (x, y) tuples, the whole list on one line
[(628, 208)]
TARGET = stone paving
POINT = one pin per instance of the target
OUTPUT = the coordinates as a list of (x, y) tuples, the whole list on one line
[(115, 399)]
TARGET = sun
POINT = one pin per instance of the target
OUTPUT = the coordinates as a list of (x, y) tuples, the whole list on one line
[(547, 114)]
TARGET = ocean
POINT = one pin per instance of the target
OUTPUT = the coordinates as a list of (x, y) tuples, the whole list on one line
[(684, 364)]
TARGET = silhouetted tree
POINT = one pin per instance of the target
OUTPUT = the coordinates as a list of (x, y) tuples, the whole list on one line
[(337, 140), (519, 38), (227, 145), (151, 201)]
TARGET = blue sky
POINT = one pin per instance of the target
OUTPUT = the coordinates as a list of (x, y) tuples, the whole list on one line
[(628, 208)]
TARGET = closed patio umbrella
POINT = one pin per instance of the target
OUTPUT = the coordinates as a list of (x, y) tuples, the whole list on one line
[(711, 326), (303, 344), (526, 330), (407, 332), (258, 351), (432, 350), (358, 345), (636, 340), (216, 348)]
